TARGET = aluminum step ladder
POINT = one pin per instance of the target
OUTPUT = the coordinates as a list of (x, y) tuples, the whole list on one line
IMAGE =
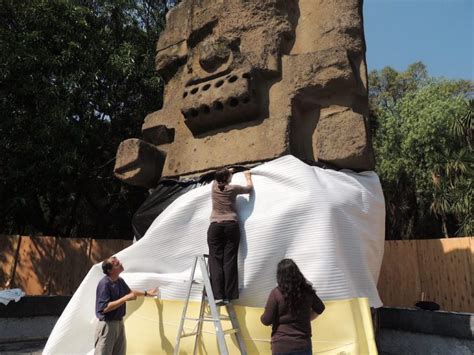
[(214, 315)]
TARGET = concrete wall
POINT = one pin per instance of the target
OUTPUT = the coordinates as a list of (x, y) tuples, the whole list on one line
[(29, 321), (412, 331)]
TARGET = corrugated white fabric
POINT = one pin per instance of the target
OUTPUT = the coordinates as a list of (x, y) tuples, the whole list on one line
[(330, 222)]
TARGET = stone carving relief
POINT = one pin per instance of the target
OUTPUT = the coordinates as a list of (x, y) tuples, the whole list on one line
[(251, 80)]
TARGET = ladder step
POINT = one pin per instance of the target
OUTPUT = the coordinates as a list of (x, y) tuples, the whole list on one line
[(190, 318), (208, 319), (188, 335), (225, 318), (231, 331)]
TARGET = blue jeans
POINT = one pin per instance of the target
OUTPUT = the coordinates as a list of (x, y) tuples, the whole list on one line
[(299, 352)]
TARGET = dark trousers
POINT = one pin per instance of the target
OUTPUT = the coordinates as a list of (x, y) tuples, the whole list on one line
[(223, 239)]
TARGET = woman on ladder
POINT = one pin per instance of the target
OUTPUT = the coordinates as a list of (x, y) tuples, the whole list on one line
[(223, 236)]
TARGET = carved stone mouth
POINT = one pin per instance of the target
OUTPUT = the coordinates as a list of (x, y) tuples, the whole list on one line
[(220, 102)]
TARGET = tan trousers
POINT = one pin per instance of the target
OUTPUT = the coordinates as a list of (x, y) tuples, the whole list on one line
[(110, 338)]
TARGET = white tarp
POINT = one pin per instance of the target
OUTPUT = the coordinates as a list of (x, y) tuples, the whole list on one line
[(14, 294), (330, 222)]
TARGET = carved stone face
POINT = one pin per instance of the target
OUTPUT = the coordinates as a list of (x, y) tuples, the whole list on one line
[(248, 81), (221, 55)]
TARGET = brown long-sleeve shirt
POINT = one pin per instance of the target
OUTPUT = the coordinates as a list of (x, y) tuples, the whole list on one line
[(290, 332), (223, 202)]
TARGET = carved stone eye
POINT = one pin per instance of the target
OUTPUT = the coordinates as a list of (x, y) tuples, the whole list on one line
[(213, 54)]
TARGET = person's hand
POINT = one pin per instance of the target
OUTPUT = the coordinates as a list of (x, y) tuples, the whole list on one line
[(153, 292), (231, 170), (247, 173)]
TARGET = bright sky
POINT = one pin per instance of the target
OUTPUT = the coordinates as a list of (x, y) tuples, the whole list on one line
[(440, 33)]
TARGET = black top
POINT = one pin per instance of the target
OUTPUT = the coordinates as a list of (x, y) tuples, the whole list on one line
[(108, 291), (290, 332)]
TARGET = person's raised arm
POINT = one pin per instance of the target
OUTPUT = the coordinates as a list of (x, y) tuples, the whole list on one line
[(248, 177), (239, 189)]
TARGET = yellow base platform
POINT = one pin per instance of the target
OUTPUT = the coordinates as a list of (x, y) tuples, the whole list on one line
[(152, 324)]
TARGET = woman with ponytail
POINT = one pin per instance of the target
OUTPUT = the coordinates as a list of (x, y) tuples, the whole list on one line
[(223, 236), (290, 308)]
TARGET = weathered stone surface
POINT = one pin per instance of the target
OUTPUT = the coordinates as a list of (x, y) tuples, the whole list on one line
[(249, 81), (157, 134), (341, 138), (139, 163), (319, 76)]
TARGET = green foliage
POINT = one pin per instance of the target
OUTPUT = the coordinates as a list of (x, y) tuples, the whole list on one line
[(424, 154), (76, 78)]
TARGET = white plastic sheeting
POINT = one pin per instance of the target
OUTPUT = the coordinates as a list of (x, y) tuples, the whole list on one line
[(14, 294), (330, 222)]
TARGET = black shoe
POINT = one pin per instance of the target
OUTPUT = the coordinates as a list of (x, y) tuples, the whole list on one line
[(220, 303)]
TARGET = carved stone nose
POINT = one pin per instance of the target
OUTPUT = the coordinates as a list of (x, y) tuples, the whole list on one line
[(220, 102)]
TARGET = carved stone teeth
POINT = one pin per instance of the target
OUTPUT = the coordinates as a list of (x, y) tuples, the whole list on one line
[(204, 109), (216, 83), (217, 105)]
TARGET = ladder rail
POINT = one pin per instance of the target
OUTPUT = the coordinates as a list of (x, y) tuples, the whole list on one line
[(201, 320), (185, 308), (236, 327), (216, 317), (212, 304)]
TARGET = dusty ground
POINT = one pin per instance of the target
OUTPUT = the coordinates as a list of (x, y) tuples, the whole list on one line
[(32, 347)]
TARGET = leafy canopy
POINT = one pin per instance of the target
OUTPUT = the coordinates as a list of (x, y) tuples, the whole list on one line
[(423, 144), (76, 78)]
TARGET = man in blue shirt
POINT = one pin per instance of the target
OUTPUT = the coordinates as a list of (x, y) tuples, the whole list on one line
[(111, 295)]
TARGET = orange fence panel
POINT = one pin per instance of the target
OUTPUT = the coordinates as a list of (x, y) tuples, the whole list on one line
[(446, 272), (440, 268), (399, 280), (105, 248), (8, 249), (34, 265), (70, 265), (55, 266)]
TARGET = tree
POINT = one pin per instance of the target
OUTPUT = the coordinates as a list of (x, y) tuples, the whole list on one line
[(77, 77), (453, 176), (425, 164)]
